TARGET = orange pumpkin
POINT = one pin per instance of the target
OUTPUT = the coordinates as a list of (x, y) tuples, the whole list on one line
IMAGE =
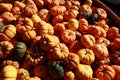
[(44, 14), (103, 40), (33, 78), (68, 36), (40, 70), (24, 25), (87, 40), (19, 4), (105, 72), (69, 75), (7, 32), (86, 56), (59, 52), (100, 50), (57, 19), (35, 19), (39, 3), (5, 7), (6, 49), (102, 15), (83, 25), (89, 2), (72, 61), (48, 41)]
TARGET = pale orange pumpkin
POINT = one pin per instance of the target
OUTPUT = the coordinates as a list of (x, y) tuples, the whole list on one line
[(69, 75), (5, 7)]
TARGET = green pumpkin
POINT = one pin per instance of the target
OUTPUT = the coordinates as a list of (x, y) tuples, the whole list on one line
[(20, 50), (56, 71), (91, 19), (1, 27)]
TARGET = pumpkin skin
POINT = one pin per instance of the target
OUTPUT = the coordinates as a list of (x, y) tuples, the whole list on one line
[(22, 74), (105, 72), (83, 25), (59, 52), (103, 41), (68, 36), (87, 40), (7, 32), (40, 70), (44, 14), (57, 19), (48, 41), (10, 62), (34, 78), (72, 61), (6, 49), (117, 71), (20, 50), (19, 4), (56, 70), (39, 3), (73, 24), (30, 8), (8, 73), (69, 75), (84, 72), (102, 15), (86, 56), (100, 51), (4, 7), (57, 10)]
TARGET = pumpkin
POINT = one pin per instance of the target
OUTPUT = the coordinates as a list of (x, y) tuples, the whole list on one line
[(68, 36), (4, 7), (30, 8), (75, 46), (59, 28), (40, 70), (86, 8), (86, 56), (69, 75), (24, 25), (35, 19), (22, 74), (103, 40), (72, 61), (19, 4), (39, 3), (71, 13), (8, 73), (7, 17), (45, 29), (7, 32), (102, 15), (44, 14), (6, 49), (112, 33), (57, 10), (100, 51), (57, 19), (84, 72), (89, 2), (48, 41), (117, 71), (20, 50), (10, 62), (83, 25), (87, 40), (34, 78), (73, 24), (115, 43), (97, 31), (59, 52), (105, 72), (29, 35), (56, 70), (16, 11)]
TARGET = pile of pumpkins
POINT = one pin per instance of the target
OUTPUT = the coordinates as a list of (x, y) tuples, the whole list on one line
[(57, 40)]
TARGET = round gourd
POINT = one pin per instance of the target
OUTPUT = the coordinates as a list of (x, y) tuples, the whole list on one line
[(91, 19), (56, 70)]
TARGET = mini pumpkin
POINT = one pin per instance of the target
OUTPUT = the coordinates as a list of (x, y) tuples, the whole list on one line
[(105, 72), (102, 14), (22, 74), (48, 41), (103, 40), (100, 50), (68, 36), (84, 72), (7, 32), (73, 24), (8, 73), (5, 7), (6, 49), (56, 70), (39, 3), (86, 56), (57, 10), (87, 40), (19, 4), (35, 19), (69, 75), (57, 19), (34, 78)]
